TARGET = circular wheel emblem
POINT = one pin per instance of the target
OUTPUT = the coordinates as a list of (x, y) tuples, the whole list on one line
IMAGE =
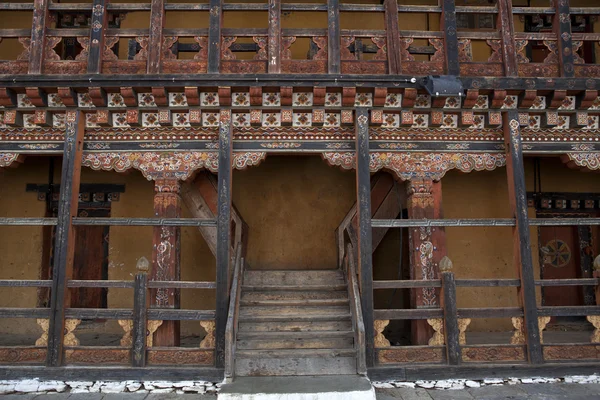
[(559, 253)]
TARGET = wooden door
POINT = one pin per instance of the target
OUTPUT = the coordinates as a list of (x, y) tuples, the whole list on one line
[(560, 260), (90, 264)]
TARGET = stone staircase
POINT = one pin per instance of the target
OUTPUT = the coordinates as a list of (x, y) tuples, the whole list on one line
[(295, 323)]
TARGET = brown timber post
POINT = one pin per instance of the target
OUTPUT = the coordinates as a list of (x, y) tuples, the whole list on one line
[(166, 258), (522, 246), (214, 36), (333, 37), (507, 31), (448, 24), (157, 23), (451, 331), (140, 307), (564, 40), (365, 243), (38, 36), (274, 37), (392, 31), (223, 234), (64, 247), (98, 28)]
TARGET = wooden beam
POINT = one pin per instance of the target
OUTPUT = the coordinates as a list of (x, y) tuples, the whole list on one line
[(38, 36), (507, 30), (140, 308), (448, 25), (393, 36), (274, 36), (522, 245), (157, 23), (99, 24), (214, 36), (365, 245), (64, 247), (333, 36), (451, 332), (223, 233), (564, 42)]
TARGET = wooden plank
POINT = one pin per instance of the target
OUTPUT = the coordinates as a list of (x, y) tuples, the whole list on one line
[(522, 259), (490, 312), (157, 23), (333, 36), (564, 41), (99, 24), (140, 305), (223, 233), (451, 331), (448, 26), (365, 245), (274, 37), (38, 35), (424, 313), (214, 36), (393, 36), (507, 30), (407, 284), (64, 249)]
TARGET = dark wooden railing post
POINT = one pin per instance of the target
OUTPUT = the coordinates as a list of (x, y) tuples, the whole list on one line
[(522, 245), (448, 25), (333, 36), (64, 247), (97, 30), (564, 40), (38, 36), (507, 32), (451, 331), (223, 233), (274, 37), (157, 23), (596, 274), (365, 246), (392, 37), (214, 36), (140, 307)]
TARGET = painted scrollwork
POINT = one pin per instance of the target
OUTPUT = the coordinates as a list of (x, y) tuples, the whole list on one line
[(26, 42), (226, 53), (380, 339), (109, 54), (209, 340), (45, 325), (6, 159), (203, 43), (262, 42), (595, 320), (586, 160), (127, 339), (70, 339)]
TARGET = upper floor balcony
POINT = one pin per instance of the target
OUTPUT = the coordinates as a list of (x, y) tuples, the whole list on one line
[(492, 38)]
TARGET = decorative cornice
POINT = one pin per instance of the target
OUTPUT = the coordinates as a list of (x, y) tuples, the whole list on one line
[(410, 166), (590, 161), (6, 159)]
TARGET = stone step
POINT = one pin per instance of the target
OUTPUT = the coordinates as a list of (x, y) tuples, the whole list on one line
[(295, 295), (295, 302), (295, 326), (292, 277)]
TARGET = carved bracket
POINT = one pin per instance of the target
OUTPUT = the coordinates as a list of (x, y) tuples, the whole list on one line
[(380, 339), (438, 338), (6, 159), (595, 320), (209, 340), (590, 161), (70, 339), (127, 339)]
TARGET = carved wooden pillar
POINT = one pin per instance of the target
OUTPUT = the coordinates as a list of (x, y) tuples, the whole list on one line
[(38, 35), (507, 30), (166, 258), (427, 247)]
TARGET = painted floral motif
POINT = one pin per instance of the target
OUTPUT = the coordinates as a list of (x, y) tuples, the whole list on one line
[(84, 100), (209, 99), (420, 121), (210, 119), (146, 100), (301, 119), (240, 99), (271, 119), (150, 120), (363, 100), (482, 102), (393, 100), (592, 122), (120, 120), (271, 99), (241, 119), (178, 100), (2, 124), (54, 100), (91, 120), (563, 122), (449, 121), (423, 101), (533, 122), (510, 102), (539, 103), (478, 122), (568, 103), (331, 120), (391, 121), (452, 102), (181, 119), (596, 104), (29, 121), (302, 99), (116, 100), (58, 120), (23, 101), (333, 100)]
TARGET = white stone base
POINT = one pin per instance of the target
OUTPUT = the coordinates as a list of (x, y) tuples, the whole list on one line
[(356, 395)]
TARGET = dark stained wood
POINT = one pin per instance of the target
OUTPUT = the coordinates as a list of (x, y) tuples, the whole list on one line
[(448, 26), (140, 305), (522, 245), (214, 36), (157, 23), (507, 30), (88, 265), (38, 34), (223, 233), (393, 36), (98, 25), (166, 259), (64, 248), (233, 313), (451, 332), (365, 245), (333, 36), (564, 41), (274, 63)]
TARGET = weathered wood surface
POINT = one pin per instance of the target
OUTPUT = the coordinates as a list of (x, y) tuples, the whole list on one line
[(140, 306), (214, 36), (333, 36), (96, 47), (357, 315), (451, 332), (233, 314)]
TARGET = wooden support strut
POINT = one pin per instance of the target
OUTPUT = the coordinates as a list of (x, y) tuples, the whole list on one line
[(274, 37), (99, 25), (38, 36), (223, 233), (364, 250), (157, 22), (64, 248), (451, 331), (140, 308), (448, 24), (214, 36), (333, 38), (393, 37), (507, 30), (564, 41), (522, 245)]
